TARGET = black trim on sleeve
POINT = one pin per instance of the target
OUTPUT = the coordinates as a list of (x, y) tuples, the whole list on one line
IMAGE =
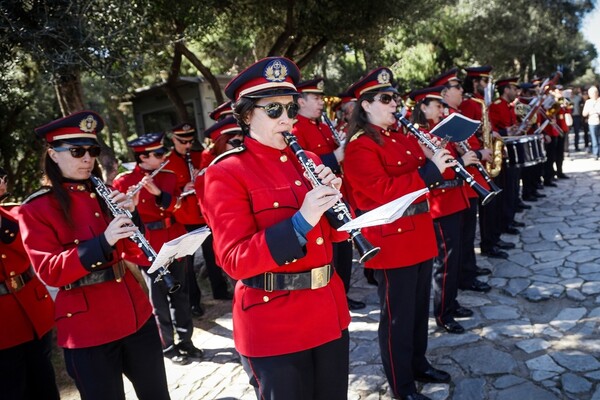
[(94, 253), (283, 243), (330, 161), (163, 200), (430, 174), (137, 220), (8, 230)]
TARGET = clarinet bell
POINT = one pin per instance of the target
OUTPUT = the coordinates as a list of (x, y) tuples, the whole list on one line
[(171, 283), (365, 249)]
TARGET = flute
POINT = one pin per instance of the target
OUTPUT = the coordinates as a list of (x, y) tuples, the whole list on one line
[(140, 185), (137, 237)]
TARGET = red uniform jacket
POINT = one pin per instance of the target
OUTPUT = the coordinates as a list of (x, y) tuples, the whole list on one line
[(250, 198), (154, 209), (28, 313), (502, 116), (88, 315), (188, 212), (379, 174)]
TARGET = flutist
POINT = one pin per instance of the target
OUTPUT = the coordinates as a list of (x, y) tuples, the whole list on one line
[(314, 134), (382, 165), (290, 314), (156, 205), (76, 245)]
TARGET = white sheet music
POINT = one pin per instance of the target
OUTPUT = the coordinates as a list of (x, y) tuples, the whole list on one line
[(184, 245), (384, 214)]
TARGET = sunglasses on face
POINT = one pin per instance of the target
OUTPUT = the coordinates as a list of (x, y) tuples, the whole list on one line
[(387, 98), (78, 152), (274, 110), (457, 86), (184, 141), (157, 154)]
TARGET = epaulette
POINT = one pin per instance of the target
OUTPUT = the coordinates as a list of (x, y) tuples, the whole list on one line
[(40, 192), (356, 135), (294, 121), (226, 154), (122, 174), (498, 101)]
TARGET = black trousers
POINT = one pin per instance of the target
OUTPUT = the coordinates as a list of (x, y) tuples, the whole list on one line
[(446, 266), (489, 222), (320, 373), (530, 179), (403, 323), (508, 180), (98, 370), (172, 310), (468, 262), (27, 372), (560, 152), (577, 125), (342, 261), (551, 149)]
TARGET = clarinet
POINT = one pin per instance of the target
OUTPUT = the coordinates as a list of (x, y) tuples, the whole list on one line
[(188, 161), (465, 147), (486, 195), (337, 215), (139, 186), (336, 135), (137, 237)]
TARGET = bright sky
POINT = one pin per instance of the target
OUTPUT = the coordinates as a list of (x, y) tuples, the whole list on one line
[(591, 31)]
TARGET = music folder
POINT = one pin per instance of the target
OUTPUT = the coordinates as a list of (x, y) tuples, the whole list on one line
[(184, 245), (456, 126), (384, 214)]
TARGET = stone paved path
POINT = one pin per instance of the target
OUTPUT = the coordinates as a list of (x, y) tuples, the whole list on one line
[(534, 336)]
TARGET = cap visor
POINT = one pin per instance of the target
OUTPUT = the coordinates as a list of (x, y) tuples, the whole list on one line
[(272, 93), (80, 141)]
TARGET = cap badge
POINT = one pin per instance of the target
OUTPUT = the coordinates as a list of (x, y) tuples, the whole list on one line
[(275, 71), (88, 124), (321, 85), (186, 127), (383, 77)]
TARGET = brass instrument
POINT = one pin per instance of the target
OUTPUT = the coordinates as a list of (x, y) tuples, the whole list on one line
[(466, 148), (137, 237), (339, 214), (485, 195), (139, 186), (330, 104), (495, 145)]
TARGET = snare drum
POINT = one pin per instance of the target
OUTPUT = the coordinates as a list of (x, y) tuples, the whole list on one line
[(539, 151), (521, 151)]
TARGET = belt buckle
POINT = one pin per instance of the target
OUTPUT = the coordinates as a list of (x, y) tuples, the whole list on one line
[(68, 287), (14, 284), (268, 283), (319, 277), (119, 271)]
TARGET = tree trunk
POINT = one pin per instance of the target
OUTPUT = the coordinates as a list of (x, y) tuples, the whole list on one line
[(312, 52), (212, 80), (69, 92), (171, 86)]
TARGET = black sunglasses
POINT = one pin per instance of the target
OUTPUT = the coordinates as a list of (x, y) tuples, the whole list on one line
[(158, 154), (78, 152), (387, 98), (457, 86), (184, 141), (274, 110)]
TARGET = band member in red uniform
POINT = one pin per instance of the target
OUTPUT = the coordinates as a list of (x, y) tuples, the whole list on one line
[(315, 136), (102, 313), (27, 317), (382, 165), (157, 200), (185, 162), (290, 316), (504, 121), (222, 111), (563, 128)]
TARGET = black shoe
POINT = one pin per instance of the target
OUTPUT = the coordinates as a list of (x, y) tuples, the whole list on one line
[(368, 273), (432, 375), (460, 312), (190, 350), (531, 198), (505, 245), (451, 326), (477, 286), (562, 176), (495, 252), (511, 230), (517, 224), (197, 311), (355, 304), (524, 206), (551, 184), (539, 195), (482, 271), (539, 186), (413, 396), (176, 357), (223, 296)]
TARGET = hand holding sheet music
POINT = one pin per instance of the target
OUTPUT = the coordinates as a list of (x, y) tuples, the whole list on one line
[(384, 214), (182, 246)]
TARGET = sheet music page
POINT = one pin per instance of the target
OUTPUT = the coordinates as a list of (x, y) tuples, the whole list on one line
[(181, 246), (384, 214), (457, 127)]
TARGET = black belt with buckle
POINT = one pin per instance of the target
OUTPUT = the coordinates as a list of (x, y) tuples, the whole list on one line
[(15, 283), (115, 272), (162, 224), (413, 209), (314, 279), (452, 183)]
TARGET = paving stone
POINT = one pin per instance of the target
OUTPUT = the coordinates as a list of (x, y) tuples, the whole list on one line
[(506, 381), (568, 318), (500, 312), (576, 361), (544, 363), (575, 384), (471, 358), (575, 294), (527, 391), (510, 270), (516, 286), (590, 288), (542, 291), (470, 389), (532, 345), (584, 256)]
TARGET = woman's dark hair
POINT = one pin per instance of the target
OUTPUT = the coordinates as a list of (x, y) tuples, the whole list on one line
[(241, 111), (468, 84), (137, 157), (53, 177), (359, 120), (418, 116)]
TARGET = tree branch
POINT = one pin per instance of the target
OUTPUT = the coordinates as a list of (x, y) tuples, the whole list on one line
[(206, 73)]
